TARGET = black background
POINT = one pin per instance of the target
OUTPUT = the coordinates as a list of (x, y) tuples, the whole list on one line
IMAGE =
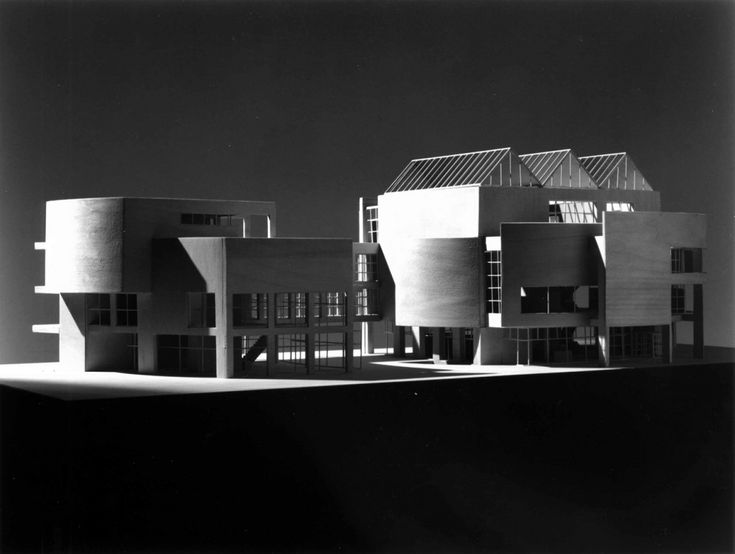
[(636, 460)]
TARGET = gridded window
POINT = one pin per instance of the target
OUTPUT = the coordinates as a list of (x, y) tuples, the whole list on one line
[(299, 302), (636, 342), (619, 207), (283, 305), (682, 299), (292, 349), (372, 221), (366, 302), (686, 260), (187, 353), (126, 309), (200, 309), (585, 336), (250, 310), (557, 344), (335, 304), (99, 311), (366, 267), (208, 219), (329, 308), (330, 351), (132, 348), (291, 308), (562, 211), (494, 272)]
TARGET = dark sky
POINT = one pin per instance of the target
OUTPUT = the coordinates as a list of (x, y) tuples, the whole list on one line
[(313, 104)]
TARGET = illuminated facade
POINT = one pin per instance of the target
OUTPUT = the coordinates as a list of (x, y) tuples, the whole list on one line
[(537, 258), (486, 257)]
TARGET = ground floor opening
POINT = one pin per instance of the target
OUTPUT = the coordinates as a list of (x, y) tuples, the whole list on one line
[(555, 345)]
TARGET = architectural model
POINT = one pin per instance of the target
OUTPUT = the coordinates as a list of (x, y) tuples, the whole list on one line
[(486, 257)]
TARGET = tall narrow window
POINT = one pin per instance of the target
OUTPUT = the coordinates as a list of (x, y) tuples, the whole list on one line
[(127, 309), (678, 293), (132, 347), (299, 302), (366, 302), (335, 304), (372, 222), (201, 309), (283, 306), (682, 299), (494, 271)]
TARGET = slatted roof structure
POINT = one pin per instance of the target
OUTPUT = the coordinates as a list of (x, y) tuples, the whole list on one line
[(558, 169), (499, 167), (615, 171)]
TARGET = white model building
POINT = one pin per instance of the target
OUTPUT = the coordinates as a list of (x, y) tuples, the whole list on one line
[(538, 258), (485, 257)]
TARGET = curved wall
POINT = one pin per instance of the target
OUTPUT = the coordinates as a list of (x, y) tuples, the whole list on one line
[(438, 281), (84, 245)]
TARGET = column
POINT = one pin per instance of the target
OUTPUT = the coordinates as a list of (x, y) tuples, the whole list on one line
[(272, 347), (146, 335), (399, 341), (668, 346), (698, 324), (489, 345), (223, 318), (439, 347), (310, 360), (271, 224), (603, 339), (223, 333), (348, 351), (459, 350), (417, 341), (72, 331), (367, 333)]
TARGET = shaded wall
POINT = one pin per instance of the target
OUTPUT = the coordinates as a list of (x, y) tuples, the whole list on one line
[(546, 255), (638, 263)]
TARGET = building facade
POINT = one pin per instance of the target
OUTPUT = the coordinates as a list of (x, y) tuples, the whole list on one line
[(193, 287), (485, 257), (537, 258)]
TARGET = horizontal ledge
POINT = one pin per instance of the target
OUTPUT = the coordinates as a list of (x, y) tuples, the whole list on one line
[(39, 245), (50, 328), (43, 289), (371, 317)]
